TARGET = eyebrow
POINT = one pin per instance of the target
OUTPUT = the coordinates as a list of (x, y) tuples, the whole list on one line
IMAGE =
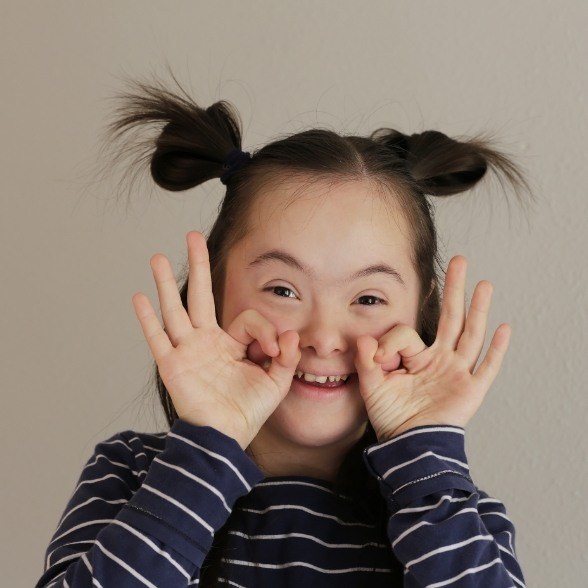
[(290, 260)]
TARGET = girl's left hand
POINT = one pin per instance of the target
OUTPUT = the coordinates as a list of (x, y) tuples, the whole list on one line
[(437, 385)]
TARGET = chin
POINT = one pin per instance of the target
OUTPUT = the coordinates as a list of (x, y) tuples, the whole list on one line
[(317, 428)]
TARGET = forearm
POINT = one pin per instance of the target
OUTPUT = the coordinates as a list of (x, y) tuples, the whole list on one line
[(441, 528), (163, 531)]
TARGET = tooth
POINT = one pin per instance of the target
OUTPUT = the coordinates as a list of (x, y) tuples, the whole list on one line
[(344, 378), (332, 378), (267, 363), (321, 379), (299, 374), (309, 377)]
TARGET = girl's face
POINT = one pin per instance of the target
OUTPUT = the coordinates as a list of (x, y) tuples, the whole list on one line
[(331, 262)]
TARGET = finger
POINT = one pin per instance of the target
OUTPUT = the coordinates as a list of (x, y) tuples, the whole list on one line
[(452, 318), (157, 340), (282, 367), (472, 339), (176, 320), (490, 366), (398, 344), (250, 326), (200, 298), (369, 372)]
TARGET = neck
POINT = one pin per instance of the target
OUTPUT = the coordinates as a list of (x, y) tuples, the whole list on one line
[(277, 457)]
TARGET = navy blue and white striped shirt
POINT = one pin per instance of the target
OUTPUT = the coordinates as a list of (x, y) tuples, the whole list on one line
[(147, 506)]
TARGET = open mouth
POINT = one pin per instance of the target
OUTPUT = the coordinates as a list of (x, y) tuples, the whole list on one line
[(322, 381)]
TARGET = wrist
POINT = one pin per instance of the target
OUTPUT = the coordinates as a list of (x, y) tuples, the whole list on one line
[(224, 426)]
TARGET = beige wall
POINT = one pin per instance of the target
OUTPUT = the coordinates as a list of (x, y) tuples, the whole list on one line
[(74, 366)]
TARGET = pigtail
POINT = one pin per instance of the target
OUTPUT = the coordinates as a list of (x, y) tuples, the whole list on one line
[(442, 166), (192, 142)]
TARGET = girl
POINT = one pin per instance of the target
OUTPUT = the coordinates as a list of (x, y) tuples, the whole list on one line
[(315, 387)]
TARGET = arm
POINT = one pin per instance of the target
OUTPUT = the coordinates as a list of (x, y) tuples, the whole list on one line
[(125, 526), (126, 531), (418, 400), (443, 530)]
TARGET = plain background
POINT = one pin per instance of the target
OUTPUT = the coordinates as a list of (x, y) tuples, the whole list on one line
[(75, 368)]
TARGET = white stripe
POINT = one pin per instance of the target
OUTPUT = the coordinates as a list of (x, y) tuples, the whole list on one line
[(94, 480), (91, 570), (303, 564), (423, 456), (483, 500), (417, 432), (151, 448), (309, 537), (180, 506), (116, 463), (426, 523), (230, 583), (516, 580), (93, 499), (125, 565), (451, 547), (196, 479), (297, 483), (54, 581), (216, 456), (444, 498), (502, 548), (117, 441), (81, 526), (409, 531), (308, 510), (71, 556), (48, 563), (154, 547), (467, 572)]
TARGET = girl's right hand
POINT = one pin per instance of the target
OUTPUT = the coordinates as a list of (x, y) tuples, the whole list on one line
[(205, 369)]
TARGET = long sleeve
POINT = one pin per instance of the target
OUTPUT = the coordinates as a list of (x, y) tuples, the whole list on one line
[(135, 522), (443, 530)]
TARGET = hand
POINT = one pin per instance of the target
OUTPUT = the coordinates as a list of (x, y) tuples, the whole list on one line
[(433, 385), (205, 369)]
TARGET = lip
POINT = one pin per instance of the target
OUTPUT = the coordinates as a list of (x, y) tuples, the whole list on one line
[(323, 371)]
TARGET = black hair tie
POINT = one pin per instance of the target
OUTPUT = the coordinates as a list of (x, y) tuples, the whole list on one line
[(233, 162)]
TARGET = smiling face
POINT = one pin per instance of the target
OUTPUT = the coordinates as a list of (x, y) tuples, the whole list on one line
[(331, 262)]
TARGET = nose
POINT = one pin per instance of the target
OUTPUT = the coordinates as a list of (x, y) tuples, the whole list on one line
[(324, 332)]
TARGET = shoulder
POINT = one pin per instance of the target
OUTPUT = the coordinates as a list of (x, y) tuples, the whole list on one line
[(126, 455)]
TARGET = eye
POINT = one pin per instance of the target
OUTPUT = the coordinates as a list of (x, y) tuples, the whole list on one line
[(370, 300), (282, 291)]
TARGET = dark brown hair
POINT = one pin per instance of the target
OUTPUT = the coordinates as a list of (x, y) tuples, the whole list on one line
[(191, 145)]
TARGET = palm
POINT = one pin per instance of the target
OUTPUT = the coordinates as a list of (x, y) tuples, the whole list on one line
[(439, 384)]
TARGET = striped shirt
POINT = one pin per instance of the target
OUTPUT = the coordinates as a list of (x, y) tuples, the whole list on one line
[(147, 506)]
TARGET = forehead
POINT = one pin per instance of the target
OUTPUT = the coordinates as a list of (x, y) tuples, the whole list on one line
[(325, 215)]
